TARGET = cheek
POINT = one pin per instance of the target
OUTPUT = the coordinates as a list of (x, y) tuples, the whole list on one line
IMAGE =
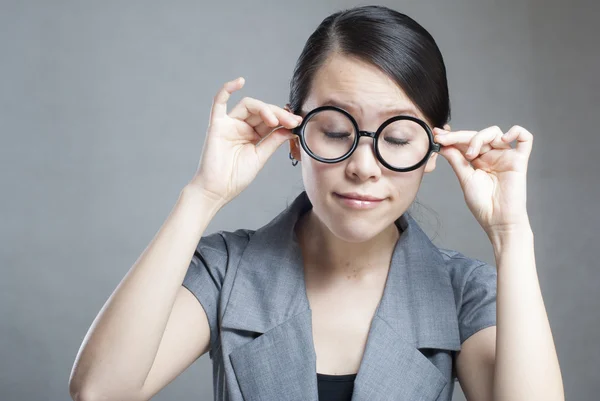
[(320, 175), (405, 185), (318, 179)]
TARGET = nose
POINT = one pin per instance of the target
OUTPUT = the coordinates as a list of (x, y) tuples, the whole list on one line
[(362, 163)]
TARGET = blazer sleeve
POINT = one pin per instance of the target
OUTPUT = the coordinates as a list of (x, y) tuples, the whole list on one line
[(478, 300), (208, 268)]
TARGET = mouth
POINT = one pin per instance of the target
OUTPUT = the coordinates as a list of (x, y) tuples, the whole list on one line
[(358, 201), (361, 197)]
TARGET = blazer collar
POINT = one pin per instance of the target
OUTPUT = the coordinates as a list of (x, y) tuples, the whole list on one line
[(270, 283), (417, 308)]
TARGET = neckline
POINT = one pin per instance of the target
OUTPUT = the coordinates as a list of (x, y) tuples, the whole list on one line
[(328, 377)]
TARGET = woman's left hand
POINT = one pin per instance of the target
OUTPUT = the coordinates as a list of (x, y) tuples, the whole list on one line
[(493, 177)]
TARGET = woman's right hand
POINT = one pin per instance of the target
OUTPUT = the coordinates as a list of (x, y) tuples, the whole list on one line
[(231, 158)]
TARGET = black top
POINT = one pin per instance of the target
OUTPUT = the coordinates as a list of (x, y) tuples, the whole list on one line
[(335, 387)]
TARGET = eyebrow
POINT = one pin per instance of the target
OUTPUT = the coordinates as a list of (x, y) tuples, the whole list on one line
[(352, 106)]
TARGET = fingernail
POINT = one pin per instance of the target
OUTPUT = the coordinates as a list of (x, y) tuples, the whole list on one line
[(470, 151)]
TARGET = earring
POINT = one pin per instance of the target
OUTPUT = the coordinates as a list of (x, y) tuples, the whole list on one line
[(294, 162)]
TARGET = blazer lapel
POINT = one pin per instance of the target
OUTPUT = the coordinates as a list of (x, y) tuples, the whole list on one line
[(268, 299), (417, 311)]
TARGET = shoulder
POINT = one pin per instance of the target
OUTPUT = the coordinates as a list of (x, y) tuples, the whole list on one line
[(473, 280), (459, 265), (216, 252), (475, 287), (226, 243)]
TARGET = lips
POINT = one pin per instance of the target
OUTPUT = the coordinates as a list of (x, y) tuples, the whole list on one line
[(360, 197)]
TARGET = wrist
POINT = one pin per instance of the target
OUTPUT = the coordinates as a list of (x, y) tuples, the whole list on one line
[(202, 199), (511, 236)]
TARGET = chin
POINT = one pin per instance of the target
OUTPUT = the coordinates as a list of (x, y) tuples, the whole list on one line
[(351, 226), (348, 224), (353, 234)]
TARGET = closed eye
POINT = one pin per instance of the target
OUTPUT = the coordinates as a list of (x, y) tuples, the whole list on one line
[(337, 135), (396, 141)]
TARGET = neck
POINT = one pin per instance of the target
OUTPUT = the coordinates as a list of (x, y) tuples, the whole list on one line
[(331, 255)]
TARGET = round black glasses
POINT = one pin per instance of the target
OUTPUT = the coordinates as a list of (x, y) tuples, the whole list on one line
[(330, 134)]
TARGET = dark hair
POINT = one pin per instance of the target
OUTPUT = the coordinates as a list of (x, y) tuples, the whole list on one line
[(387, 39)]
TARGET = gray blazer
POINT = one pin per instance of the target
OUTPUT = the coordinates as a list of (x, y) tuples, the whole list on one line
[(251, 285)]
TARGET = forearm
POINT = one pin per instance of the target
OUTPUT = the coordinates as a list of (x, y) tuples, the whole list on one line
[(121, 344), (527, 365)]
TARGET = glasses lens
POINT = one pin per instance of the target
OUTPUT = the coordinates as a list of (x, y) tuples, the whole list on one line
[(403, 143), (329, 134)]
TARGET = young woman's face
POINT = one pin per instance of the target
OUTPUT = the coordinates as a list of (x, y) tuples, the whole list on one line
[(371, 97)]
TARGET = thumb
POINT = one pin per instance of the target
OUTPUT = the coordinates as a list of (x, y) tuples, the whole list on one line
[(459, 164), (271, 142)]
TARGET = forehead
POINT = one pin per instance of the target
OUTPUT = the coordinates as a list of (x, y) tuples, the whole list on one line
[(359, 87)]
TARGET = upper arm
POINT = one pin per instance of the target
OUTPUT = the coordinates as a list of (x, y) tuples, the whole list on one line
[(476, 284), (475, 365), (477, 300), (477, 325), (192, 328), (185, 339)]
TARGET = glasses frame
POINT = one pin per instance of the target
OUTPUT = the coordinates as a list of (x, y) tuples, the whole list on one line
[(299, 130)]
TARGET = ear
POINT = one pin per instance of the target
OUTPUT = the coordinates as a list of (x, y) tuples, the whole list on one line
[(430, 165), (295, 148), (295, 141)]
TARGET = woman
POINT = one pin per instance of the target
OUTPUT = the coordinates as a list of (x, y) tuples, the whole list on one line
[(342, 296)]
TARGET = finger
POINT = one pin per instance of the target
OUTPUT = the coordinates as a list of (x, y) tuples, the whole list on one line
[(462, 139), (453, 137), (462, 133), (263, 129), (287, 119), (249, 107), (219, 106), (253, 111), (524, 139), (485, 136), (460, 142), (271, 143), (458, 162)]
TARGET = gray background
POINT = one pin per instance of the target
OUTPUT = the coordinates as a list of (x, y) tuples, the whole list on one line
[(103, 110)]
